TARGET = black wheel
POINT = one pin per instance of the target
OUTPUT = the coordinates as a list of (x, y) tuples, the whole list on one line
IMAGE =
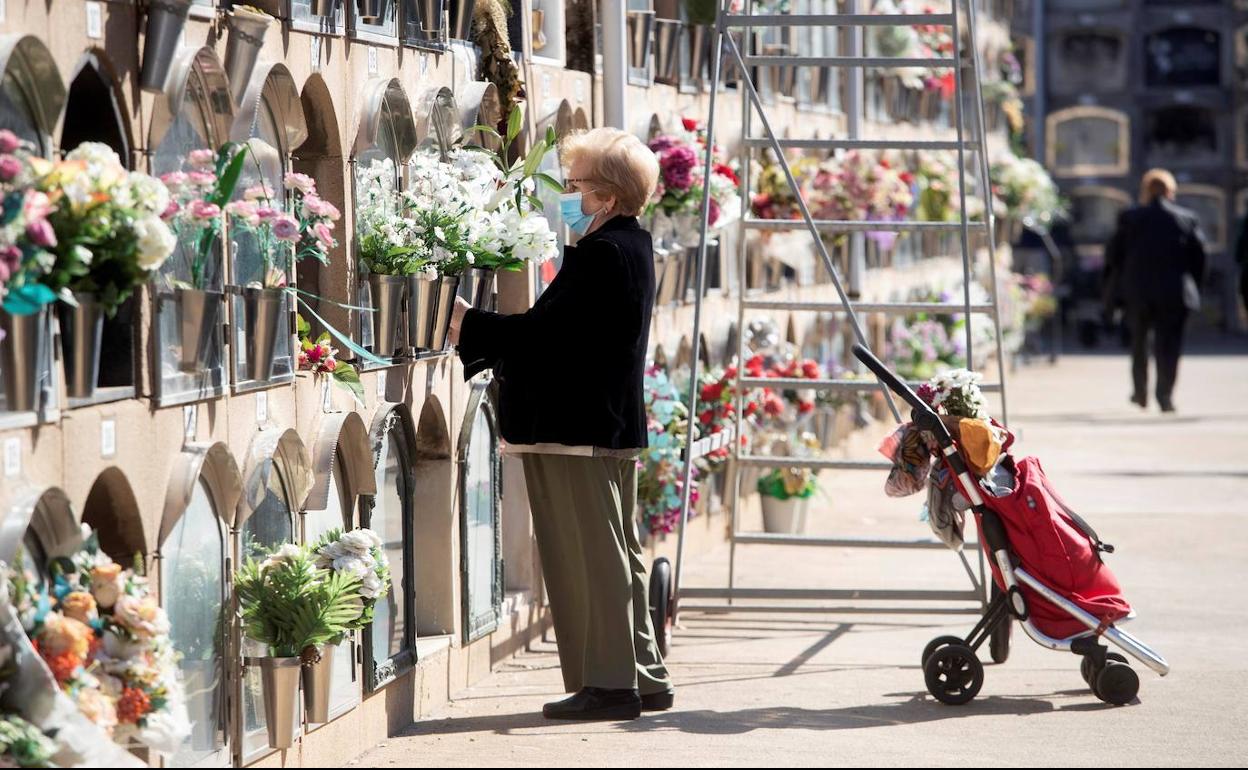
[(661, 602), (999, 643), (938, 643), (1117, 683), (954, 675), (1087, 668)]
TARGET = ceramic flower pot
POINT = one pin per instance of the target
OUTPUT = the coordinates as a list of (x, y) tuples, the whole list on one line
[(317, 681), (20, 349), (199, 313), (262, 320), (388, 292), (279, 682), (82, 330), (242, 47), (785, 517), (165, 20)]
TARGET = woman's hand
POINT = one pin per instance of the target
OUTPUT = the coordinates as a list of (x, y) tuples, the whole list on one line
[(457, 318)]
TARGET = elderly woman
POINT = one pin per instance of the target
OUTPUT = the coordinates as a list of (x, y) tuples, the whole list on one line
[(570, 375)]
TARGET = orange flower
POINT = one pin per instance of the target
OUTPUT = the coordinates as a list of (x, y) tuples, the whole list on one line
[(80, 606), (63, 666), (61, 634), (133, 705)]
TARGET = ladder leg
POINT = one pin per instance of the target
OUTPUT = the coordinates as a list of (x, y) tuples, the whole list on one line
[(697, 306)]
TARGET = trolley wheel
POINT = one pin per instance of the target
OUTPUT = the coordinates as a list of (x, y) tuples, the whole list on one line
[(938, 643), (954, 675), (661, 602), (1087, 668), (1117, 683), (999, 643)]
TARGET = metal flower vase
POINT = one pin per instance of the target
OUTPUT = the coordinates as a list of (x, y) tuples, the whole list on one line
[(667, 51), (20, 349), (447, 292), (82, 331), (262, 321), (482, 288), (461, 19), (242, 47), (323, 7), (317, 681), (199, 312), (165, 21), (279, 683), (388, 292), (422, 309), (371, 11)]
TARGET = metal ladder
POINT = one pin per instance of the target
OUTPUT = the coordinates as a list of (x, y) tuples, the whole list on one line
[(971, 140)]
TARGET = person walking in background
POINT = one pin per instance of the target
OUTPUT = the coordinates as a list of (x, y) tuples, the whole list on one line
[(1154, 268)]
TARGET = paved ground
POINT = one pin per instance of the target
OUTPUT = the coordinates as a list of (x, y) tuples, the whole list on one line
[(764, 690)]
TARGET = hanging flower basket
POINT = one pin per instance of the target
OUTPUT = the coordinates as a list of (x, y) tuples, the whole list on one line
[(165, 21)]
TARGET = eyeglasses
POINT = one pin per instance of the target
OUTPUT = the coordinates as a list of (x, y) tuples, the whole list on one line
[(571, 184)]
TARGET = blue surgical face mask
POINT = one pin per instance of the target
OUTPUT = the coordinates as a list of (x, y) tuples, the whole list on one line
[(573, 216)]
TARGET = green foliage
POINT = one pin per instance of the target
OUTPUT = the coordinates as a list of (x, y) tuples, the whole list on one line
[(289, 604)]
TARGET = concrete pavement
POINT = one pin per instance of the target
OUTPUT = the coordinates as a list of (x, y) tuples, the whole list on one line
[(1171, 492)]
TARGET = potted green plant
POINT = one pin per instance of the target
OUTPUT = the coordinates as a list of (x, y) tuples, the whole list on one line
[(786, 494), (354, 555), (293, 607)]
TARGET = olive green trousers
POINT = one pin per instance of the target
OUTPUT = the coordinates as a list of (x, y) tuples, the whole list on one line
[(594, 571)]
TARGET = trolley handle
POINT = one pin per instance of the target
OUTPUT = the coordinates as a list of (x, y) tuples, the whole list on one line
[(923, 414)]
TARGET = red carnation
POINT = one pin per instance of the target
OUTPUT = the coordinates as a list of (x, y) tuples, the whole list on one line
[(805, 407), (810, 370), (689, 123)]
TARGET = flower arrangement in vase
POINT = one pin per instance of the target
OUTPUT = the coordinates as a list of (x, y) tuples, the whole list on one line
[(678, 196), (105, 640), (660, 484)]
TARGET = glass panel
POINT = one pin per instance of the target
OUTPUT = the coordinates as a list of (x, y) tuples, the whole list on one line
[(267, 165), (1183, 56), (193, 591), (1210, 209), (1094, 217), (1186, 133), (189, 131), (480, 522), (270, 525), (342, 693), (1088, 141), (1089, 60), (16, 112), (391, 511)]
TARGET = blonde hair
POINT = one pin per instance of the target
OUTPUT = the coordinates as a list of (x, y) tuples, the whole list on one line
[(1157, 183), (620, 166)]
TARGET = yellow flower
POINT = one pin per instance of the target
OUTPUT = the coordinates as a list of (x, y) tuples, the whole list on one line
[(61, 634), (80, 606), (107, 584)]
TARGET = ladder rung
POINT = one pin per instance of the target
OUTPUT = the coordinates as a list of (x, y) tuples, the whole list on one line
[(838, 20), (854, 226), (925, 544), (804, 609), (880, 62), (941, 308), (861, 144), (832, 594), (799, 383), (704, 446), (814, 463)]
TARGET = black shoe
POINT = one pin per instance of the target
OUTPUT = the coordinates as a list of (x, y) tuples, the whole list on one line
[(658, 701), (1140, 401), (1167, 406), (593, 703)]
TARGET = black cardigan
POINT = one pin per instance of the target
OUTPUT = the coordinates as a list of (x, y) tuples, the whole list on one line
[(571, 368)]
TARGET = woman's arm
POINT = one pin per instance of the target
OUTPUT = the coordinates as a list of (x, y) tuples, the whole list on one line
[(590, 288)]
